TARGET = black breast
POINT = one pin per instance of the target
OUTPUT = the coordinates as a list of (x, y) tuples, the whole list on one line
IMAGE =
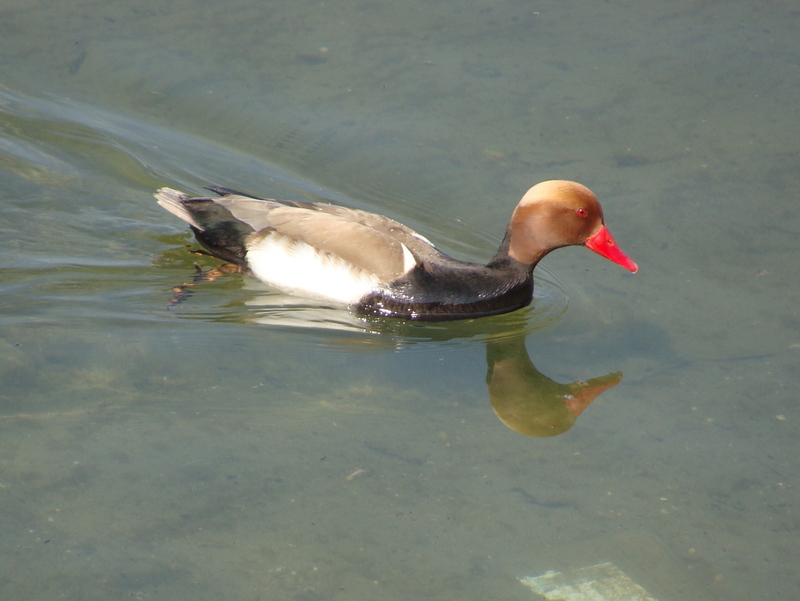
[(453, 290)]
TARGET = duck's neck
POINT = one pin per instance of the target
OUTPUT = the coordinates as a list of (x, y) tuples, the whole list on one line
[(503, 254)]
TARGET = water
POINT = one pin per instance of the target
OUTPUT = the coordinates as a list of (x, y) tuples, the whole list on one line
[(235, 446)]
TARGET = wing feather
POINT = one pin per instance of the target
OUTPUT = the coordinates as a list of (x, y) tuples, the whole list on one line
[(363, 247), (374, 243)]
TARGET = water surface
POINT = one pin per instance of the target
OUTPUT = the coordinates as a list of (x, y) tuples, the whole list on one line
[(234, 446)]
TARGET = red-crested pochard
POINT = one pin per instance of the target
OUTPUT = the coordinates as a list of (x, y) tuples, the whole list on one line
[(378, 266)]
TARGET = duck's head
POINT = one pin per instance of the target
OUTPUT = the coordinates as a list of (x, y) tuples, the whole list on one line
[(560, 213)]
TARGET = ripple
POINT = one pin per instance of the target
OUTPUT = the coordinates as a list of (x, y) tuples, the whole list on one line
[(335, 327)]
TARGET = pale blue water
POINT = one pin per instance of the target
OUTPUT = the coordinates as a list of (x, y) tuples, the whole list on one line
[(235, 447)]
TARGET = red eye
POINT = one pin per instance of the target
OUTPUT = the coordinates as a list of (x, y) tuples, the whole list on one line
[(581, 212)]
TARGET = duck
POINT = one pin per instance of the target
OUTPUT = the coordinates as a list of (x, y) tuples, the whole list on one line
[(376, 266)]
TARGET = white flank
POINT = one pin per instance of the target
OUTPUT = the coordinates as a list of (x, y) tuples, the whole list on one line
[(297, 267)]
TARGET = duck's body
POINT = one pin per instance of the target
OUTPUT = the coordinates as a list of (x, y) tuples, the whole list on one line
[(378, 266)]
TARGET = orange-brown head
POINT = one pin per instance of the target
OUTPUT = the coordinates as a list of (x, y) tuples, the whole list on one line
[(560, 213)]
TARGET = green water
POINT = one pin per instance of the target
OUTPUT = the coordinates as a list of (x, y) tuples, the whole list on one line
[(234, 446)]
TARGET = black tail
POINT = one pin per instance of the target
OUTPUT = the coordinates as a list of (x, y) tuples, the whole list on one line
[(214, 226), (218, 230)]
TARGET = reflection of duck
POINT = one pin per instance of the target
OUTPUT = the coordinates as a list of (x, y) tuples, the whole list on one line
[(529, 402), (523, 399), (378, 266)]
